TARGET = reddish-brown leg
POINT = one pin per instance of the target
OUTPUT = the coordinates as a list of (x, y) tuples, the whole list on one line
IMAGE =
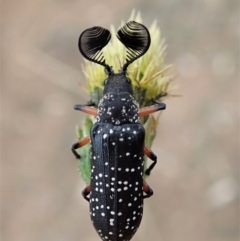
[(79, 144), (147, 190), (151, 109), (86, 192), (87, 109), (149, 153)]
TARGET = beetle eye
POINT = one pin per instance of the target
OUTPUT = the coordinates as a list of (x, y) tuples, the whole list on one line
[(105, 81), (128, 80)]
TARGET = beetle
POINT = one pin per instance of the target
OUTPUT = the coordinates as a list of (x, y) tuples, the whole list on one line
[(117, 188)]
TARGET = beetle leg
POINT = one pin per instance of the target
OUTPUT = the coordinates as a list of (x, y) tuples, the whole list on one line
[(87, 109), (151, 109), (79, 144), (148, 190), (86, 192), (149, 153)]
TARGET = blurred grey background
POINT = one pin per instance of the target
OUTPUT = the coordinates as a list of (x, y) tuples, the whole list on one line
[(196, 179)]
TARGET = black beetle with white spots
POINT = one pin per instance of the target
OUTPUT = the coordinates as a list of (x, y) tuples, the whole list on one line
[(117, 188)]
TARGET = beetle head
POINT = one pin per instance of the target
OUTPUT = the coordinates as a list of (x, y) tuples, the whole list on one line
[(134, 36), (116, 83)]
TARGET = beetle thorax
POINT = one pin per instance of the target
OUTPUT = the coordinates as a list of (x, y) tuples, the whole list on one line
[(118, 108)]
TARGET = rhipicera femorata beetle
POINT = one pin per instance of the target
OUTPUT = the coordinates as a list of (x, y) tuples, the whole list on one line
[(117, 188)]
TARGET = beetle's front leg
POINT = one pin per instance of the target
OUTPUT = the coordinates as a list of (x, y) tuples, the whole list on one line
[(149, 153), (86, 192), (147, 189), (79, 144), (87, 109), (151, 109)]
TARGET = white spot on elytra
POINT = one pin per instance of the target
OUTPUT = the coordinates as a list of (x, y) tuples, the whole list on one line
[(111, 221)]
